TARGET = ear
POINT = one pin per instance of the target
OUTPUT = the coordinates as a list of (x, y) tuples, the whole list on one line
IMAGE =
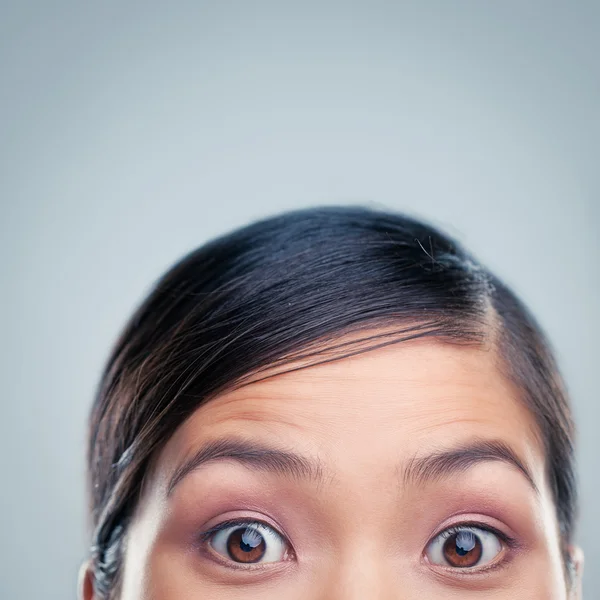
[(86, 582), (576, 554)]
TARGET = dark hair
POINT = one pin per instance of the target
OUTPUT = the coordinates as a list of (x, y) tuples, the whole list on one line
[(270, 292)]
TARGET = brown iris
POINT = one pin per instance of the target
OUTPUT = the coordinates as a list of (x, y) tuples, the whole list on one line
[(462, 549), (246, 545)]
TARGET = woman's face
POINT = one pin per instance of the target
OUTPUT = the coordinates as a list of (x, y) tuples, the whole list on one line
[(410, 471)]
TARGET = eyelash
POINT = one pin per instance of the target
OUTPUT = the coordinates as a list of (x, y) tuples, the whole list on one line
[(448, 531), (205, 537), (509, 541)]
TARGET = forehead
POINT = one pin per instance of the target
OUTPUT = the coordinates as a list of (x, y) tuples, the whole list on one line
[(390, 401)]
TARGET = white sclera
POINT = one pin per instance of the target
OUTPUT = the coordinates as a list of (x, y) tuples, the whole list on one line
[(490, 545), (253, 535)]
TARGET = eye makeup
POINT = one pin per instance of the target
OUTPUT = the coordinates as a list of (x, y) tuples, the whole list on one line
[(260, 531), (228, 500), (253, 541), (470, 546)]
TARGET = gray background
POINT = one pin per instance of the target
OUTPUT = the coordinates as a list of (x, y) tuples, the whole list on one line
[(130, 134)]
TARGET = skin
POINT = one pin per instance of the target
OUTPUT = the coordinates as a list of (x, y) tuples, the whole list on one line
[(361, 526)]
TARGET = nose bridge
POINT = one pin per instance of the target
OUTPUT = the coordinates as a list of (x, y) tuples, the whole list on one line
[(363, 566), (362, 573)]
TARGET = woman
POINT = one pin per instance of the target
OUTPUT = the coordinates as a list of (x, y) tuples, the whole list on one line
[(332, 403)]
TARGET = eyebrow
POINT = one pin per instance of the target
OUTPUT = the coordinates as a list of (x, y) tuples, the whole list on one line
[(251, 454), (418, 470), (445, 463)]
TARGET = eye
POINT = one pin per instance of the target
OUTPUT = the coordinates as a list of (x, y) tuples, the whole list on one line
[(248, 542), (464, 547)]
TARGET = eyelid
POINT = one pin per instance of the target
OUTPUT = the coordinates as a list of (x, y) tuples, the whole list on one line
[(482, 521), (206, 535), (456, 527), (510, 543)]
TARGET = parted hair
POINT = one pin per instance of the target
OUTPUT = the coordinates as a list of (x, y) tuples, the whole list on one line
[(272, 291)]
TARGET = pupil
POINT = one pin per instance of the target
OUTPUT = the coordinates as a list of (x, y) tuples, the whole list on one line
[(463, 549), (246, 545), (250, 539), (465, 542)]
